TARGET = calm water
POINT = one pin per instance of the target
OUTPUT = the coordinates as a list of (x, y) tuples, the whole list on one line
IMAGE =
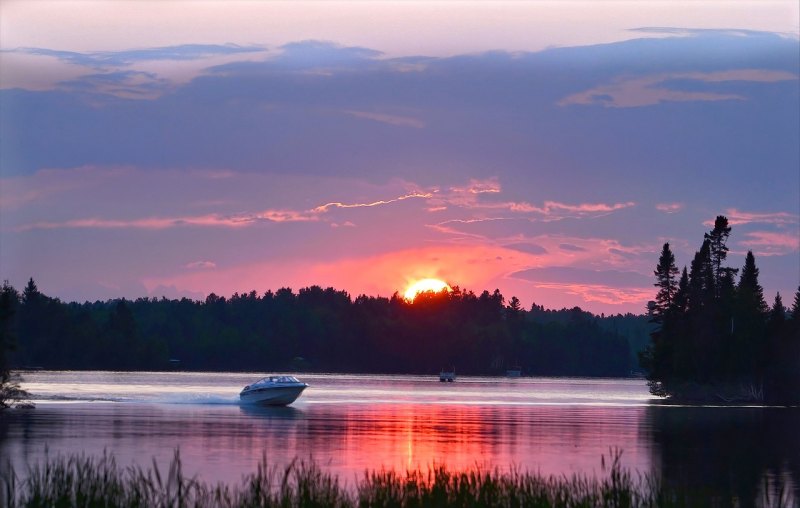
[(352, 422)]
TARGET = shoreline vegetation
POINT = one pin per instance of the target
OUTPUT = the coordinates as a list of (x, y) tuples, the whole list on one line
[(78, 480)]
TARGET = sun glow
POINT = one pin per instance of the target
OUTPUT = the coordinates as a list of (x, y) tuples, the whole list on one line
[(421, 286)]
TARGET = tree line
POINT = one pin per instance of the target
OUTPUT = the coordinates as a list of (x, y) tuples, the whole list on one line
[(322, 330), (717, 338)]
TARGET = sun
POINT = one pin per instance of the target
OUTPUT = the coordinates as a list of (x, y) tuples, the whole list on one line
[(423, 285)]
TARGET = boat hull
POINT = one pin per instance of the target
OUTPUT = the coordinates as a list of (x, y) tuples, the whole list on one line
[(272, 396)]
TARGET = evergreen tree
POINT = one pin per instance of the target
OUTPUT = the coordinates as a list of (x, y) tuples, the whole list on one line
[(682, 294), (701, 280), (31, 294), (749, 292), (777, 314), (748, 354), (796, 305), (666, 281), (717, 239)]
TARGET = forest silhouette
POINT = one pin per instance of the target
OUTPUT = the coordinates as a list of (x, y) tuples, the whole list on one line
[(321, 330)]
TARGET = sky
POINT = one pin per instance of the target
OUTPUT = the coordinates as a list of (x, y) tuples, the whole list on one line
[(546, 149)]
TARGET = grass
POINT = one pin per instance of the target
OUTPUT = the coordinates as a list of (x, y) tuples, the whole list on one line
[(85, 481)]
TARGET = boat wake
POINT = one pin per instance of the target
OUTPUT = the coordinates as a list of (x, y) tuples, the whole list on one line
[(169, 399)]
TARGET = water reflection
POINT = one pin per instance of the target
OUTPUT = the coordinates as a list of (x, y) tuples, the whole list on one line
[(734, 453), (351, 423), (271, 412), (224, 442)]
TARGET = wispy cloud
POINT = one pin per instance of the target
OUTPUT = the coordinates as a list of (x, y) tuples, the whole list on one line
[(571, 274), (103, 60), (478, 195), (630, 92), (609, 295), (669, 207), (214, 220), (201, 265), (397, 120), (738, 217), (476, 186), (327, 206), (570, 247), (771, 243)]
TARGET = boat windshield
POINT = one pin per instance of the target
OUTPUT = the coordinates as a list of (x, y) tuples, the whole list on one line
[(280, 379)]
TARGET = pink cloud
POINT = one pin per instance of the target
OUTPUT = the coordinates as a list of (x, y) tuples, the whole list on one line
[(771, 243), (550, 206), (215, 220), (211, 220), (737, 217), (669, 207), (475, 186), (470, 197), (602, 294)]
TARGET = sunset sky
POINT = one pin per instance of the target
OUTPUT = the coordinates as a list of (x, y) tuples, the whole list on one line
[(547, 149)]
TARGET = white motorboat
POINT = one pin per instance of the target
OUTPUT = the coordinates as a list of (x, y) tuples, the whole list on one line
[(273, 391)]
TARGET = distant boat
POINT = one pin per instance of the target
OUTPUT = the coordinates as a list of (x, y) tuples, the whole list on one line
[(273, 391), (514, 372), (447, 376)]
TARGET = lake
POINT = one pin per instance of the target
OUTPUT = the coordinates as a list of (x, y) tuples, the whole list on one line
[(349, 423)]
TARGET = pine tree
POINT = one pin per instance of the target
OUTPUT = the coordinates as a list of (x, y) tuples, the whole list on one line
[(31, 294), (717, 239), (796, 305), (777, 314), (681, 295), (701, 279), (749, 348), (666, 281), (749, 291)]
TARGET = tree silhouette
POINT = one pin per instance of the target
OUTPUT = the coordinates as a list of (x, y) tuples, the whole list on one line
[(719, 340), (666, 281), (718, 250)]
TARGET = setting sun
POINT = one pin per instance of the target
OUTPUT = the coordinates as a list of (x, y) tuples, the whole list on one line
[(420, 286)]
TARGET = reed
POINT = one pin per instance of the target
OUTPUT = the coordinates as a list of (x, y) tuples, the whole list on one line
[(85, 481)]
